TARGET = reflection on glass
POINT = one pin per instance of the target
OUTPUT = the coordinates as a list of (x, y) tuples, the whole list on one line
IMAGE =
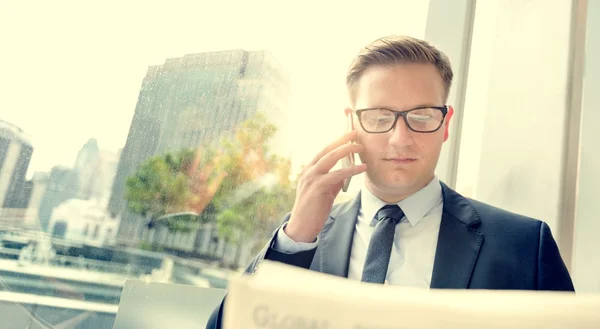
[(423, 120), (166, 153)]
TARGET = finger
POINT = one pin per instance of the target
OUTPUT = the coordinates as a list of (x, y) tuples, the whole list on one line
[(217, 157), (209, 167), (337, 188), (196, 163), (213, 187), (337, 176), (199, 205), (346, 138), (328, 161)]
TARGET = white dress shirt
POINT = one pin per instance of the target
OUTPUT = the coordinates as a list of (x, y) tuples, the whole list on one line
[(415, 239)]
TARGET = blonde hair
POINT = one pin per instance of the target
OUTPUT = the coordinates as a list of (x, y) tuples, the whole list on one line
[(397, 50)]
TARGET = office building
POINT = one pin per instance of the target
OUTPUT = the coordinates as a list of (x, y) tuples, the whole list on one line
[(62, 185), (95, 171), (195, 100), (15, 154)]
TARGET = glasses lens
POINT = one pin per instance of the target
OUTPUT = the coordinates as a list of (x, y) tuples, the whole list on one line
[(377, 120), (425, 120)]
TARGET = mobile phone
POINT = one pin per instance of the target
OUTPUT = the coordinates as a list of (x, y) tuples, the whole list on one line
[(348, 161)]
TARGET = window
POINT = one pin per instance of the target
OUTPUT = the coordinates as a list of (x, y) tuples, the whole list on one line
[(96, 230), (105, 106), (110, 107)]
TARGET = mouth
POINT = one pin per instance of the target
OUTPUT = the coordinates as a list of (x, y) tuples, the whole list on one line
[(400, 160)]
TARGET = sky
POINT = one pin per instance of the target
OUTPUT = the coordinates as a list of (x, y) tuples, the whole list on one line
[(72, 70)]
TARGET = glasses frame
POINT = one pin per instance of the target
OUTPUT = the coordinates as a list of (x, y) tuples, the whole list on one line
[(403, 114)]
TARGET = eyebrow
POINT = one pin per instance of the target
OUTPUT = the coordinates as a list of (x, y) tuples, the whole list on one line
[(397, 110)]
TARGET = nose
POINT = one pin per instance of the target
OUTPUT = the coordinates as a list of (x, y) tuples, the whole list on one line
[(401, 135)]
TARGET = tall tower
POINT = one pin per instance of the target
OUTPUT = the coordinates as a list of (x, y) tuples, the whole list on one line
[(195, 100), (15, 155)]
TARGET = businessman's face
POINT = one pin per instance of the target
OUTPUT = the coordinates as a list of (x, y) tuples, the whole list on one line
[(401, 161)]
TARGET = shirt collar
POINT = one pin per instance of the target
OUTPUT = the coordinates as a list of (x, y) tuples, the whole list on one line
[(415, 206)]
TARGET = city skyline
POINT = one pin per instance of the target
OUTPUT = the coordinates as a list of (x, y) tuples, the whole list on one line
[(89, 88), (70, 165), (31, 200)]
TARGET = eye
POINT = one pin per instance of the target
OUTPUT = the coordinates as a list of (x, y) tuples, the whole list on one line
[(419, 117)]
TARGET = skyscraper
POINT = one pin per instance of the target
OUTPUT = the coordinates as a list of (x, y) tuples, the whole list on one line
[(194, 100), (61, 185), (95, 171), (86, 165), (15, 155), (89, 179)]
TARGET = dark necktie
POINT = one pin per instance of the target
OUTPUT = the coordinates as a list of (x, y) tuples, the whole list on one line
[(380, 247)]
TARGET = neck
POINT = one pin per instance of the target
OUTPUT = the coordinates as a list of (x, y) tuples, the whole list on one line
[(394, 195)]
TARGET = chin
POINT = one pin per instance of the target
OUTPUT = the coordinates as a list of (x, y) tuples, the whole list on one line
[(394, 178), (401, 178), (396, 181)]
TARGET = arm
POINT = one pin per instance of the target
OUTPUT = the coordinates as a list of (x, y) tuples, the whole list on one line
[(283, 249), (552, 272), (280, 248), (316, 191)]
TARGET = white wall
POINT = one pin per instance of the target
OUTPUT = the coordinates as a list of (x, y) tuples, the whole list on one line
[(586, 246), (513, 129), (81, 213), (449, 27)]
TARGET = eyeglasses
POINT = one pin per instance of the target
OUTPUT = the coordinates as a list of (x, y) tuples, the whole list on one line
[(422, 119)]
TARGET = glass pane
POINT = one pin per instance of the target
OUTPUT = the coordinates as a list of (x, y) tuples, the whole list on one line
[(161, 140)]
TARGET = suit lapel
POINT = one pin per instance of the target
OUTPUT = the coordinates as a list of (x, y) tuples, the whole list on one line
[(336, 239), (459, 241), (458, 244)]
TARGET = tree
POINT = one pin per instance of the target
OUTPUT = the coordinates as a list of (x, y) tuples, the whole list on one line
[(237, 184), (174, 183), (257, 191)]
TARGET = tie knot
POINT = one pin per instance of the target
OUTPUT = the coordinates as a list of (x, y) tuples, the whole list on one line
[(390, 211)]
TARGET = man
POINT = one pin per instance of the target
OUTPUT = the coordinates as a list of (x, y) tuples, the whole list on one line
[(405, 227)]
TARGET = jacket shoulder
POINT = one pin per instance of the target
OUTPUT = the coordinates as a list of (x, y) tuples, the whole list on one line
[(503, 221)]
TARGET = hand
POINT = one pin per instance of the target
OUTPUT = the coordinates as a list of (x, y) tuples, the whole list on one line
[(202, 188), (318, 187)]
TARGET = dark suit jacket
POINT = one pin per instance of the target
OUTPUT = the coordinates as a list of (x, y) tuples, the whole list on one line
[(479, 247)]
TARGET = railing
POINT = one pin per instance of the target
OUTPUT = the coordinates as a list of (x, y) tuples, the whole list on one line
[(53, 312), (80, 305), (85, 263)]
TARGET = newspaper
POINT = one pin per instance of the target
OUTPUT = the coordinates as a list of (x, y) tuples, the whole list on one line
[(281, 296)]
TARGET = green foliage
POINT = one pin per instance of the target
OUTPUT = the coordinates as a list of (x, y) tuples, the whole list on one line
[(246, 158), (231, 224), (165, 184), (160, 185), (147, 246), (181, 223)]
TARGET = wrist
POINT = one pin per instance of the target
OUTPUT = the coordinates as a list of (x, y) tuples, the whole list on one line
[(299, 235)]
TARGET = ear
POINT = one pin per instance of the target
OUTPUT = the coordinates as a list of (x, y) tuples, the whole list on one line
[(347, 111), (447, 121)]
